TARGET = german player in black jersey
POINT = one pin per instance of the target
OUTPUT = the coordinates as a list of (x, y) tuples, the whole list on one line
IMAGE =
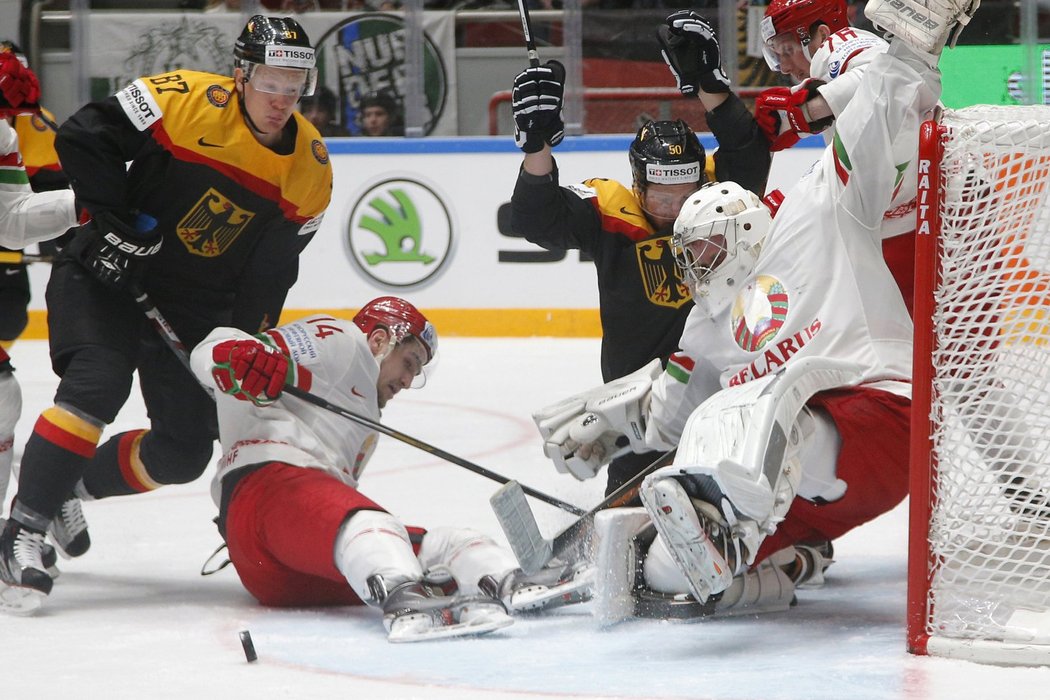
[(226, 185), (642, 297)]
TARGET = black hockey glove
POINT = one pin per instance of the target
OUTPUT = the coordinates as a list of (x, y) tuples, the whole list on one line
[(113, 251), (536, 102), (690, 50)]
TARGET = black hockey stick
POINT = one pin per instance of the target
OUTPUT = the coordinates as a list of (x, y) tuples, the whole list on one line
[(167, 333), (419, 444), (526, 27), (523, 533)]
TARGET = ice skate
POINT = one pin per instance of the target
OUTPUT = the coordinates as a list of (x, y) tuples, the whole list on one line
[(551, 587), (926, 25), (808, 562), (416, 611), (69, 529), (698, 537), (24, 581)]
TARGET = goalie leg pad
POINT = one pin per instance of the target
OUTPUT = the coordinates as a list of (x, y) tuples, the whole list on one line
[(618, 562)]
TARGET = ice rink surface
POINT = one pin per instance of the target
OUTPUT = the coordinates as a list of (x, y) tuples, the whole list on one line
[(133, 618)]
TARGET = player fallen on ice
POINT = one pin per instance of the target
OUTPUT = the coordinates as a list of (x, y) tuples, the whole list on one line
[(299, 531), (789, 400)]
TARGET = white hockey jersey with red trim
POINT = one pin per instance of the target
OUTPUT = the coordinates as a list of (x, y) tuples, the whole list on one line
[(841, 62), (27, 217), (336, 364), (819, 287)]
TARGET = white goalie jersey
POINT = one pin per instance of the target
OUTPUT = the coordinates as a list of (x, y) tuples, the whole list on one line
[(334, 358), (25, 216), (819, 287)]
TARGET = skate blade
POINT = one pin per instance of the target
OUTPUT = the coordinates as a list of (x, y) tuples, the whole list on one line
[(541, 598), (19, 600), (410, 633)]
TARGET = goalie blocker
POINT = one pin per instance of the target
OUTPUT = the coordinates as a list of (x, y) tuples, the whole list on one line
[(584, 432)]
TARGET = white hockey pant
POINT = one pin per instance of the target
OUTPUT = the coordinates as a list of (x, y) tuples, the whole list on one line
[(464, 555)]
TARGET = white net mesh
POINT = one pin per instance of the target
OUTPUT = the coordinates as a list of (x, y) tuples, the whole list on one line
[(990, 524)]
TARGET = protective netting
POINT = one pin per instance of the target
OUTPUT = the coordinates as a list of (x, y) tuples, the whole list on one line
[(990, 524)]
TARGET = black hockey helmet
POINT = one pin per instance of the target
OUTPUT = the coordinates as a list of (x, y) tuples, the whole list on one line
[(276, 41), (666, 153)]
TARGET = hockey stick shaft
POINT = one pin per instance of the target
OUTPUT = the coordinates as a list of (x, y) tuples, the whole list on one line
[(167, 333), (425, 447), (17, 257), (526, 27)]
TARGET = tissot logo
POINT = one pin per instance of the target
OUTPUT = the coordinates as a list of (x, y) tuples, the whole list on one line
[(399, 233)]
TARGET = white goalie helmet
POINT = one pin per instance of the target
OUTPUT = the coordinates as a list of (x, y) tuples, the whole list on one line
[(717, 239)]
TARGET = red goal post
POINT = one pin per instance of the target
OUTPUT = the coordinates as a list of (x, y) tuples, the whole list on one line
[(616, 110), (979, 552)]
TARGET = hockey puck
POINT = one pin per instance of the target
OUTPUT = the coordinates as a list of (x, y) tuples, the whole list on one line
[(249, 646)]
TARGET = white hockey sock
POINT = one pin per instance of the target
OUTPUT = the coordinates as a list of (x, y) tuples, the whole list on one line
[(466, 555), (374, 542)]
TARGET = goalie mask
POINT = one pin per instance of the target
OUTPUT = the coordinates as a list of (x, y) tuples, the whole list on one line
[(402, 320), (717, 239), (271, 51), (799, 18), (666, 153)]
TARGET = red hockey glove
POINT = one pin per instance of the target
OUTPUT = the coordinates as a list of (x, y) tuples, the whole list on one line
[(781, 114), (250, 371), (19, 89)]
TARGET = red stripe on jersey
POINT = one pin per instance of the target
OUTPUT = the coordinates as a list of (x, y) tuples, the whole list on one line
[(683, 361), (614, 224), (63, 438), (278, 339), (840, 170), (11, 160), (845, 64), (259, 186)]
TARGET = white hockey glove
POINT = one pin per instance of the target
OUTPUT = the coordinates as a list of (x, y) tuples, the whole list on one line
[(584, 432)]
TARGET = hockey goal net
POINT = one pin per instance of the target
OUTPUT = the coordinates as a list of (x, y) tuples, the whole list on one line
[(979, 569)]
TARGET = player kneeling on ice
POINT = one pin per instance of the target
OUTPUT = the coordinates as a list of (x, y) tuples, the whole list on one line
[(789, 400), (299, 531)]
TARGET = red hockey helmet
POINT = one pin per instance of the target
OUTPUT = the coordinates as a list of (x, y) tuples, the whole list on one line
[(401, 319), (799, 18)]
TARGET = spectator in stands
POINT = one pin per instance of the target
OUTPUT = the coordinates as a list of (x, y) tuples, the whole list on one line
[(380, 115), (321, 109)]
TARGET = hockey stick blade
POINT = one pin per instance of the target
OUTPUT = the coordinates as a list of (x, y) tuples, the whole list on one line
[(519, 524)]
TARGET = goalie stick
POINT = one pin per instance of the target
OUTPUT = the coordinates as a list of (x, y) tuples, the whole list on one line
[(532, 551), (167, 333)]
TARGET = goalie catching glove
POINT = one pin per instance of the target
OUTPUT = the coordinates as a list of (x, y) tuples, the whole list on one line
[(250, 370), (782, 115), (536, 102), (586, 431), (690, 50)]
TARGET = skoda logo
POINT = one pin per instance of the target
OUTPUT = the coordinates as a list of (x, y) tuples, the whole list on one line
[(399, 233)]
